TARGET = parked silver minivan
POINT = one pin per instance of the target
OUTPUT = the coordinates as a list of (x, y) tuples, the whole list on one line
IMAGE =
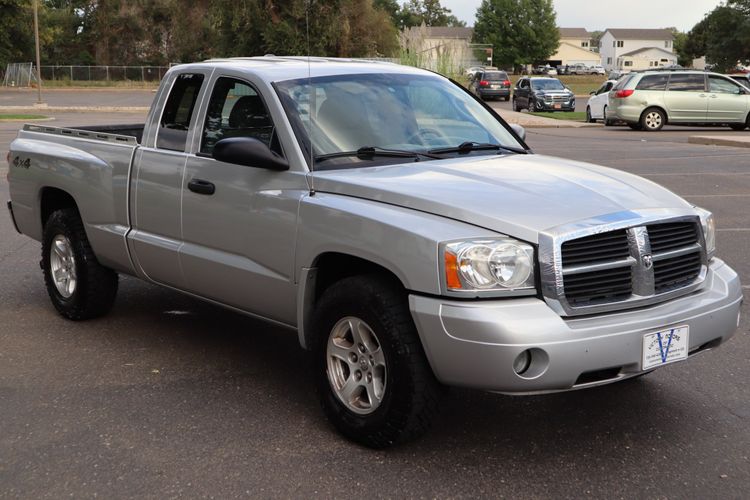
[(650, 99)]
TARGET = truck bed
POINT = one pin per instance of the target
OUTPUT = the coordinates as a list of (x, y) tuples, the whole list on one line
[(127, 133)]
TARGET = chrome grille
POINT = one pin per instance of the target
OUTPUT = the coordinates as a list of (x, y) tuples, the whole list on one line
[(628, 266)]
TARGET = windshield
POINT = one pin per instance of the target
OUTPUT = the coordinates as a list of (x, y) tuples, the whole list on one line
[(549, 84), (404, 112)]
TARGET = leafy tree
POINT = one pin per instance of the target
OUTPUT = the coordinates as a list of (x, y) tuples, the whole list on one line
[(16, 32), (596, 38), (520, 31), (684, 58), (429, 12), (723, 36)]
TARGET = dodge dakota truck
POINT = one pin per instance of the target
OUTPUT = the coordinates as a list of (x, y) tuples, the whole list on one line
[(398, 225)]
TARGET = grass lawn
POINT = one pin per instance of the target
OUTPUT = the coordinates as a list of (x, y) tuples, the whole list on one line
[(577, 116), (21, 117)]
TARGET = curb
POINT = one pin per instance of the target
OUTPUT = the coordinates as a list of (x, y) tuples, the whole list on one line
[(709, 140), (76, 109)]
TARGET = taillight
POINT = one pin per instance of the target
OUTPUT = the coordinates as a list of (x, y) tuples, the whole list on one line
[(506, 83), (484, 83), (622, 94)]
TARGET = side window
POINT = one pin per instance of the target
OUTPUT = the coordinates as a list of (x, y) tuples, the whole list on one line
[(608, 86), (687, 83), (653, 82), (236, 110), (175, 120), (722, 86)]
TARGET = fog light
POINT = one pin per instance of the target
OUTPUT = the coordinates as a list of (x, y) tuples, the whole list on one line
[(522, 362)]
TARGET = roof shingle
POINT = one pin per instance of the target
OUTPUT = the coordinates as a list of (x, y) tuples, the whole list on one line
[(641, 34)]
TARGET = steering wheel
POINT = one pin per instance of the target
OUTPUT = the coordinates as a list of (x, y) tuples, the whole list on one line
[(425, 133)]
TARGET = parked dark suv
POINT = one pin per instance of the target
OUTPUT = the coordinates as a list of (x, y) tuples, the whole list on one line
[(491, 85), (542, 94)]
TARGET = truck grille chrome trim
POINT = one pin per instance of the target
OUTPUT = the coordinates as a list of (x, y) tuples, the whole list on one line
[(622, 265)]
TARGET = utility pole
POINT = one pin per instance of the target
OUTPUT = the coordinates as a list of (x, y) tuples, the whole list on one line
[(38, 58)]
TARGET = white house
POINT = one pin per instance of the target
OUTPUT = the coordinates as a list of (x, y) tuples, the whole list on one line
[(575, 47), (649, 57), (619, 48)]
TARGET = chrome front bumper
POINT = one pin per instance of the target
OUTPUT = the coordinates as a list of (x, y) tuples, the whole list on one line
[(474, 344)]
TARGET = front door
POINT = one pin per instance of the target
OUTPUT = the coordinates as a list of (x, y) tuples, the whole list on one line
[(239, 222), (727, 101)]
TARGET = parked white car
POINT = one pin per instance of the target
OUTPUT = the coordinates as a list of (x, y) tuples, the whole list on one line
[(597, 70), (596, 109), (579, 69)]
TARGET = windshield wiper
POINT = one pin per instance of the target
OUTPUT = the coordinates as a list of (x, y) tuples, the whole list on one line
[(367, 152), (469, 146)]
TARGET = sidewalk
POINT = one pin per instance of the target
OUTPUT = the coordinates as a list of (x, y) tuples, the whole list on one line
[(527, 120), (736, 140)]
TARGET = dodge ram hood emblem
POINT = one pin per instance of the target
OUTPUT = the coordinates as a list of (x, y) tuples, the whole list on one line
[(648, 261)]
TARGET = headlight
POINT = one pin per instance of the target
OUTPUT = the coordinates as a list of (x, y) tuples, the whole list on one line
[(497, 265), (709, 230)]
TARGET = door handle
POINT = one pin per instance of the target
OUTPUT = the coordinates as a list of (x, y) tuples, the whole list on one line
[(201, 187)]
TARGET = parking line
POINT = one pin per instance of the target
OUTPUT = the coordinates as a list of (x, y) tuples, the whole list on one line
[(714, 195), (686, 174), (733, 229)]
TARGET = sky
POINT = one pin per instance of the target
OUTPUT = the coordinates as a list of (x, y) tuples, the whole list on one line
[(602, 14)]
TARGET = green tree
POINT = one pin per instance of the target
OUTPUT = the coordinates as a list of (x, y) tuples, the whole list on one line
[(596, 38), (429, 12), (684, 58), (723, 36), (16, 32), (520, 31)]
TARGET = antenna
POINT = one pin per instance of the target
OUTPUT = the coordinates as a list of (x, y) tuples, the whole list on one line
[(310, 100)]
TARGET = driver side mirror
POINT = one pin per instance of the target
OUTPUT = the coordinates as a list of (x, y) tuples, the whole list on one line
[(250, 152), (593, 92), (519, 130)]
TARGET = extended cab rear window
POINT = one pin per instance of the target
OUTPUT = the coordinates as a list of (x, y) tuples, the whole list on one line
[(653, 82), (175, 120)]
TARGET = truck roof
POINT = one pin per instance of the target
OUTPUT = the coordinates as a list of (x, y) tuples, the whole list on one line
[(274, 68)]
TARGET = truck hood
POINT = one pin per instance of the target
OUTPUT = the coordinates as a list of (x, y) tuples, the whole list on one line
[(517, 195)]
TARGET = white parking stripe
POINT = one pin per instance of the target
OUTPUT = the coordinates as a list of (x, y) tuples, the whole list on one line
[(733, 229), (714, 195)]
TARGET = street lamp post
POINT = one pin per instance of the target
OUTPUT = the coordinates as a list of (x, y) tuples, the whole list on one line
[(38, 58)]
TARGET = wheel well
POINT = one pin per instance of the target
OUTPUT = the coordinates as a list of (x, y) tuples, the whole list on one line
[(664, 112), (332, 267), (55, 199)]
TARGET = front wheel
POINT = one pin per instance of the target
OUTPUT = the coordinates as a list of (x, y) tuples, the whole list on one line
[(371, 373), (79, 287), (589, 118)]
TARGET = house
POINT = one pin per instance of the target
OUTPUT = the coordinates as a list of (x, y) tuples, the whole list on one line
[(622, 49), (439, 48), (575, 47)]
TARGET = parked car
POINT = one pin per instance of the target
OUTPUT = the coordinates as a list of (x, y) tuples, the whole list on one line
[(580, 69), (474, 70), (597, 70), (542, 94), (491, 85), (649, 100), (545, 70), (596, 109), (463, 259), (743, 78)]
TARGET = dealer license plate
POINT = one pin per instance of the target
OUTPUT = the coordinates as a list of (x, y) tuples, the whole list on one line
[(558, 106), (666, 346)]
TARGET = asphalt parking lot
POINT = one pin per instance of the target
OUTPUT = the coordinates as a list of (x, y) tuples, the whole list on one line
[(168, 396)]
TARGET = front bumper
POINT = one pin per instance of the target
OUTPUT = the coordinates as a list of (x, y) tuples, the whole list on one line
[(474, 344), (540, 105)]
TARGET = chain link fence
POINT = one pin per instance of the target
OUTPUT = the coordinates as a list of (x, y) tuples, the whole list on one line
[(19, 75), (24, 74)]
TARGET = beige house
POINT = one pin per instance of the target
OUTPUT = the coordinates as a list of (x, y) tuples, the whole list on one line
[(575, 48), (649, 57), (439, 48)]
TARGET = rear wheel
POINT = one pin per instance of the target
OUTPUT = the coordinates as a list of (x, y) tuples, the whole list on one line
[(635, 126), (79, 287), (372, 376), (608, 122), (507, 98), (738, 126), (652, 120)]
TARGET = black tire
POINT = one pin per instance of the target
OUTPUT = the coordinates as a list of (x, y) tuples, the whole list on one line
[(589, 119), (507, 98), (607, 121), (738, 126), (411, 393), (95, 286), (653, 120), (635, 126), (515, 106)]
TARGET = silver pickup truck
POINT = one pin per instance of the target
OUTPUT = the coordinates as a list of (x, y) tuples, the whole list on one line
[(402, 229)]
